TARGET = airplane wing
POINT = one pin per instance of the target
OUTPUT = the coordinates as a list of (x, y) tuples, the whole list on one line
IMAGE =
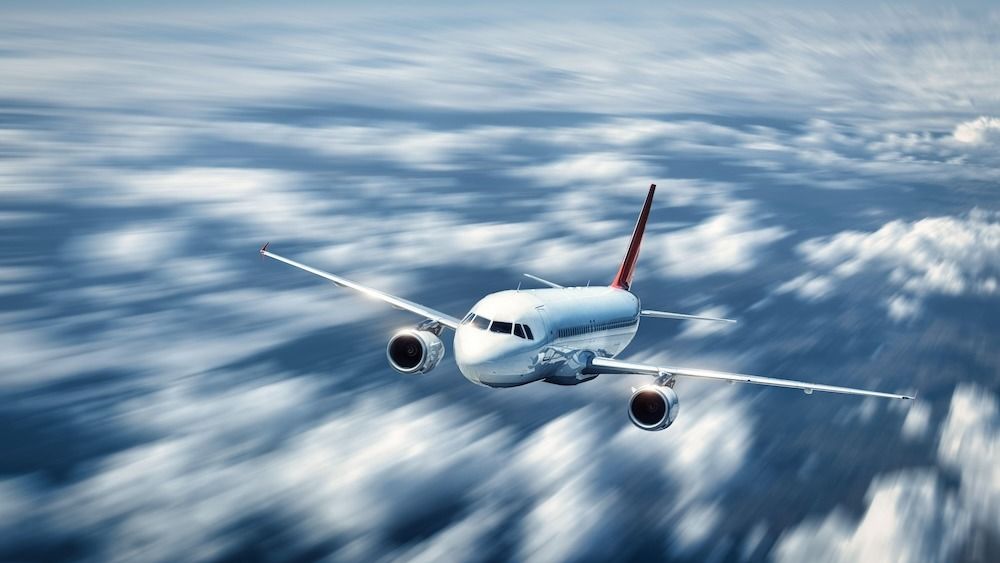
[(611, 366), (397, 302), (666, 315)]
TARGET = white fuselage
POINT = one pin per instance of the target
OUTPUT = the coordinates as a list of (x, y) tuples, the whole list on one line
[(512, 337)]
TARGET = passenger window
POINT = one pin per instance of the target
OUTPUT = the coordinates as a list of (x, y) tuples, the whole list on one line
[(527, 332), (518, 331), (480, 322), (501, 327)]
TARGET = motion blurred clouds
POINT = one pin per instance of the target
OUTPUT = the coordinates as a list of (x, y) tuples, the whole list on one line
[(937, 255), (821, 177), (913, 515)]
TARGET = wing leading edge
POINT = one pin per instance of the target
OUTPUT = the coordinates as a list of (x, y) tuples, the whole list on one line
[(398, 302), (611, 366)]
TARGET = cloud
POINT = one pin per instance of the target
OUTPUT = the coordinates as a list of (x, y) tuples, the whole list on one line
[(269, 453), (917, 420), (394, 143), (910, 517), (379, 147), (981, 131), (183, 493), (730, 242), (949, 256), (970, 444), (135, 248), (597, 168), (809, 287), (911, 514)]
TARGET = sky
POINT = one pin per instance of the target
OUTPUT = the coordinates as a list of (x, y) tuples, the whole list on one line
[(827, 176)]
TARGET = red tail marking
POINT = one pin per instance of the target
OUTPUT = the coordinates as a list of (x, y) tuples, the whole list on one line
[(624, 278)]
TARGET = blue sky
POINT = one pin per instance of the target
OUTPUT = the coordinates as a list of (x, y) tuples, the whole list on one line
[(828, 178)]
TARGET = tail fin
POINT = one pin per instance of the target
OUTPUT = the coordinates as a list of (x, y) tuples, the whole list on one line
[(624, 278)]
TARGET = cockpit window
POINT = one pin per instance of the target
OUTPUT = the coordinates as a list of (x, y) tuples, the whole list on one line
[(480, 322), (527, 332), (501, 327)]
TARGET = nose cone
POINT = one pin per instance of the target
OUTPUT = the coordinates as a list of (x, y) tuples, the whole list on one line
[(481, 354)]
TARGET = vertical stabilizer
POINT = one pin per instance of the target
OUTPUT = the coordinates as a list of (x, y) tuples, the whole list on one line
[(624, 278)]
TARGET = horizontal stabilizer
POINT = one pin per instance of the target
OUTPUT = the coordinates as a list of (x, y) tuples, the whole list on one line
[(666, 315), (546, 282)]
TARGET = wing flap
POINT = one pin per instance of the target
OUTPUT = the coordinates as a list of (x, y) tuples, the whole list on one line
[(397, 302), (611, 365)]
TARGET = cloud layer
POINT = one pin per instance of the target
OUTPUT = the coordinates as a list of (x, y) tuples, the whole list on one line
[(949, 256), (172, 397)]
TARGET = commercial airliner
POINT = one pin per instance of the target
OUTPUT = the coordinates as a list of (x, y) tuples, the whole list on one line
[(561, 335)]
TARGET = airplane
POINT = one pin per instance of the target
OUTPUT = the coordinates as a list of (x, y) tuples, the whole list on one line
[(561, 335)]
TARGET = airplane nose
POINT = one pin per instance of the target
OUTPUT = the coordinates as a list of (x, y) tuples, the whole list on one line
[(472, 348), (476, 352)]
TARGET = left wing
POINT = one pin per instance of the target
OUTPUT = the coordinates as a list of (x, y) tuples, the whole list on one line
[(611, 365), (398, 302)]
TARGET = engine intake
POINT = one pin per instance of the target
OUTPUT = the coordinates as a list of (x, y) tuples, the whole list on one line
[(653, 407), (414, 351)]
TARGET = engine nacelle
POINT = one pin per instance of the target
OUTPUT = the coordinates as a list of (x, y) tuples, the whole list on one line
[(414, 351), (653, 407)]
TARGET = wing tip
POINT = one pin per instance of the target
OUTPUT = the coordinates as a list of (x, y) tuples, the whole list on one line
[(263, 249)]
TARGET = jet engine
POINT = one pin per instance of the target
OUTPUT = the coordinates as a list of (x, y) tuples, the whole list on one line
[(414, 351), (653, 407)]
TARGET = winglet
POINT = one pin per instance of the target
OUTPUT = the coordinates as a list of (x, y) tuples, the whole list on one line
[(623, 280), (263, 249)]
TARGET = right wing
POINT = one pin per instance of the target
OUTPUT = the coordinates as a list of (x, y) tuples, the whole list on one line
[(398, 302), (613, 366)]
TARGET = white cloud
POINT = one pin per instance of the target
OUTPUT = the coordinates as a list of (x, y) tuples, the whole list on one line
[(917, 421), (549, 535), (176, 498), (809, 287), (910, 518), (134, 248), (592, 168), (677, 62), (710, 438), (981, 131), (730, 242), (939, 255), (900, 308), (911, 515), (136, 136), (398, 143), (970, 444)]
